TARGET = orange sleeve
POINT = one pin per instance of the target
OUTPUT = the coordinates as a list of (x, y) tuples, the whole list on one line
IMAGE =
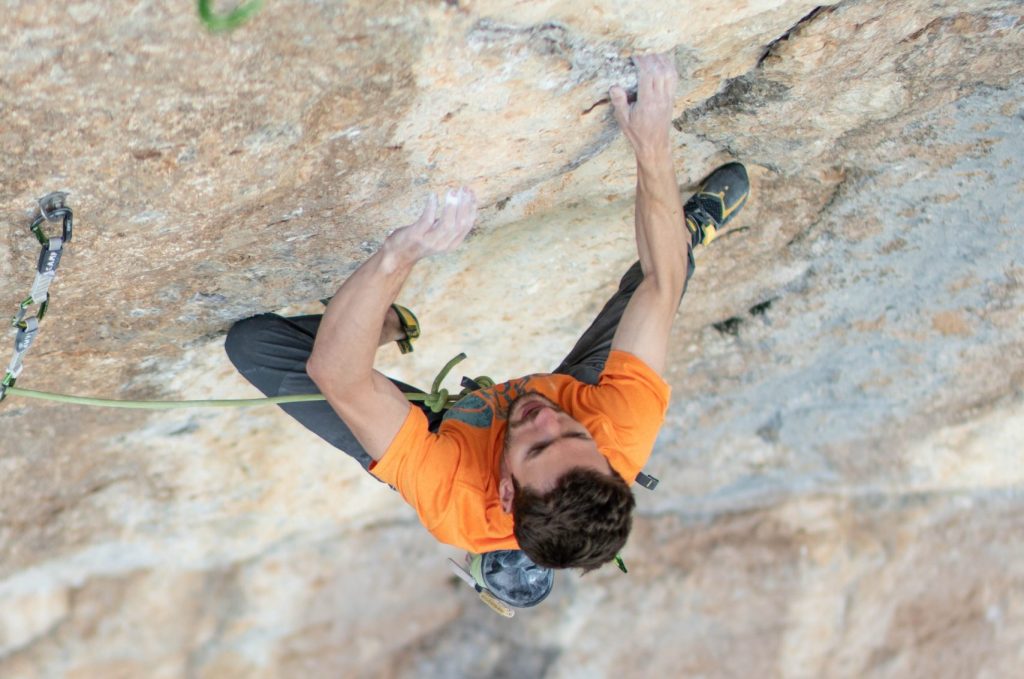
[(422, 466), (635, 398)]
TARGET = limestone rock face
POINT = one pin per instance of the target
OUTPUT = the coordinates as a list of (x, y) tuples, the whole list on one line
[(841, 464)]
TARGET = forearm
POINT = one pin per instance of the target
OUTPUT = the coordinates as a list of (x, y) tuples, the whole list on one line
[(355, 321), (660, 229)]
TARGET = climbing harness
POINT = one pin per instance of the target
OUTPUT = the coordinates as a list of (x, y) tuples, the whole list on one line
[(233, 19), (52, 208)]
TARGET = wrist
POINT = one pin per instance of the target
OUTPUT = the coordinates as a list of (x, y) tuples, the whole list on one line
[(654, 157), (655, 170), (395, 258)]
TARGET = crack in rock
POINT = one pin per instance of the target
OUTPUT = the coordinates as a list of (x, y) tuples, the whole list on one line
[(806, 19), (749, 92), (587, 61)]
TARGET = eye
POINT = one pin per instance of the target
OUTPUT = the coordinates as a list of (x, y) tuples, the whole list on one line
[(533, 451), (580, 435), (538, 448)]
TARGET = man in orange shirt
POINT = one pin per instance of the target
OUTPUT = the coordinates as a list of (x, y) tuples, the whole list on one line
[(541, 463)]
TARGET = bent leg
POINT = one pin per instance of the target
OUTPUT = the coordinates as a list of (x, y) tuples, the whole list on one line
[(271, 352), (586, 360)]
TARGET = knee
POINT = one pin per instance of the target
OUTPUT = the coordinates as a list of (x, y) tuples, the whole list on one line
[(248, 334)]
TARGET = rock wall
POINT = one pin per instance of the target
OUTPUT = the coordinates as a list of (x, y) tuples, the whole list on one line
[(841, 466)]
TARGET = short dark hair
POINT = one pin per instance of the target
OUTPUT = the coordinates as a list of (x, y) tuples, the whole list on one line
[(582, 522)]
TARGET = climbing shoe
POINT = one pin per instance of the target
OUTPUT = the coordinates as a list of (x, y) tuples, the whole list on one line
[(406, 318), (410, 326), (719, 198)]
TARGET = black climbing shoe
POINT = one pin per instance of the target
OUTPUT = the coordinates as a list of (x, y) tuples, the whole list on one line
[(719, 198), (406, 318), (410, 326)]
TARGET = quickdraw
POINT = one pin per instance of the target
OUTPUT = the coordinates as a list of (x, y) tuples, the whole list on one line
[(52, 208)]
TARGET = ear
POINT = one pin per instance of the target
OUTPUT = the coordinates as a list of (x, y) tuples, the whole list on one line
[(507, 493)]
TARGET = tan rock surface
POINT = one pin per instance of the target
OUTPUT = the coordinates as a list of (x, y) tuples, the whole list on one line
[(841, 465)]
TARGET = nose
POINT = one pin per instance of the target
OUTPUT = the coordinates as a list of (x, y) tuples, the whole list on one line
[(546, 420)]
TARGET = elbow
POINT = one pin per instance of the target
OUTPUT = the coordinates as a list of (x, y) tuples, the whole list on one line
[(330, 377), (316, 370), (327, 381)]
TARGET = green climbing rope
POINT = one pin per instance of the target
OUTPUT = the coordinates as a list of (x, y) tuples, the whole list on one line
[(163, 405), (233, 19), (437, 400)]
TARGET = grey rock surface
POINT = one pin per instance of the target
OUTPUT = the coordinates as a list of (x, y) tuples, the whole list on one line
[(841, 465)]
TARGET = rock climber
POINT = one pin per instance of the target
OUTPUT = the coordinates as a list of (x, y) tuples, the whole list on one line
[(542, 463)]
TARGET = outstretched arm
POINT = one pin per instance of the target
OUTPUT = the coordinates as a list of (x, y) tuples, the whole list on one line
[(341, 363), (660, 231)]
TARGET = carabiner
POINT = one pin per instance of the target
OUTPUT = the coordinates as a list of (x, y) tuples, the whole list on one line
[(52, 208)]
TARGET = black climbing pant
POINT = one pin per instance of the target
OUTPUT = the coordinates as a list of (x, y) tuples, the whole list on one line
[(271, 352)]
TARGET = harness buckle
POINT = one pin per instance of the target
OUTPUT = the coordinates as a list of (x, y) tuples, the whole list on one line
[(647, 481), (471, 385)]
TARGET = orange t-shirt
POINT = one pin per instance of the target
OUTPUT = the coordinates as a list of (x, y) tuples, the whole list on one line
[(451, 478)]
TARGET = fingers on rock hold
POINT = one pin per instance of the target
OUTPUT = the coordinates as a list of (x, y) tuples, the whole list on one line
[(620, 102), (431, 211)]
